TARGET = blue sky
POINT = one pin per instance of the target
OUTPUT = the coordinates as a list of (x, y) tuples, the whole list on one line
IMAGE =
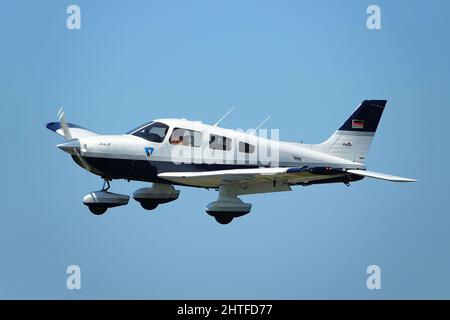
[(306, 63)]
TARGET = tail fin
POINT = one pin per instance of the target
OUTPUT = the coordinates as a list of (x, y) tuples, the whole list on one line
[(352, 140)]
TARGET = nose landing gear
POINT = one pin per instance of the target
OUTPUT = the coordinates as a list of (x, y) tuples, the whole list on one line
[(99, 202), (98, 210)]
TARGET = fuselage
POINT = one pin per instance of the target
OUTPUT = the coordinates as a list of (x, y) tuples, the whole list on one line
[(177, 145)]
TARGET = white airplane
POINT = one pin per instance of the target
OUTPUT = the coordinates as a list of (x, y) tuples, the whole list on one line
[(168, 152)]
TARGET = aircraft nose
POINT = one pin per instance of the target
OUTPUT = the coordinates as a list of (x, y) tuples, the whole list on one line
[(70, 146)]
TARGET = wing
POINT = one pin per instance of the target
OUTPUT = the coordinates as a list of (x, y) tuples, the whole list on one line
[(75, 131), (382, 176), (262, 180), (248, 181)]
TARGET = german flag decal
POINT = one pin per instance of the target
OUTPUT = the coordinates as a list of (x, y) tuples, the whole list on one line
[(357, 124)]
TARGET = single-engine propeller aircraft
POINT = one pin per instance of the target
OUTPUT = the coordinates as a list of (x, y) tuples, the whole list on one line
[(170, 152)]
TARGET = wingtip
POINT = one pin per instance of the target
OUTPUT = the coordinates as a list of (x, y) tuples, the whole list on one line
[(53, 126)]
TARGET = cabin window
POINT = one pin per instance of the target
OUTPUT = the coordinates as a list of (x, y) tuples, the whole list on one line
[(154, 132), (246, 147), (186, 137), (219, 142)]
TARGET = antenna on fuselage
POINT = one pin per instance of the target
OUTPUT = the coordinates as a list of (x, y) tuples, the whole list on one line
[(259, 126), (223, 117)]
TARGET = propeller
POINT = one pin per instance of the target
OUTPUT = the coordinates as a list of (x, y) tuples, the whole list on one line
[(64, 126), (71, 145)]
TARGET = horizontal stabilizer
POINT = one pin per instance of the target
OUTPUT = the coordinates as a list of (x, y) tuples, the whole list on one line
[(382, 176)]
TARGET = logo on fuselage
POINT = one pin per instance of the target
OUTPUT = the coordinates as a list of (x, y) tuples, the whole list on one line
[(149, 151)]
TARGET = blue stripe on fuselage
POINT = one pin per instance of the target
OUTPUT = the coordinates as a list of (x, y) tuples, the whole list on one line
[(145, 170)]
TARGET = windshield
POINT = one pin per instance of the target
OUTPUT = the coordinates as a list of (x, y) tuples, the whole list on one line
[(139, 127), (154, 132)]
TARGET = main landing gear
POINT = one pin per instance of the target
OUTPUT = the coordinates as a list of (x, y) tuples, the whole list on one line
[(228, 206), (99, 202), (157, 194)]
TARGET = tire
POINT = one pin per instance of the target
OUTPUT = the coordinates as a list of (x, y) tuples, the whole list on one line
[(149, 205), (98, 210), (224, 219)]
